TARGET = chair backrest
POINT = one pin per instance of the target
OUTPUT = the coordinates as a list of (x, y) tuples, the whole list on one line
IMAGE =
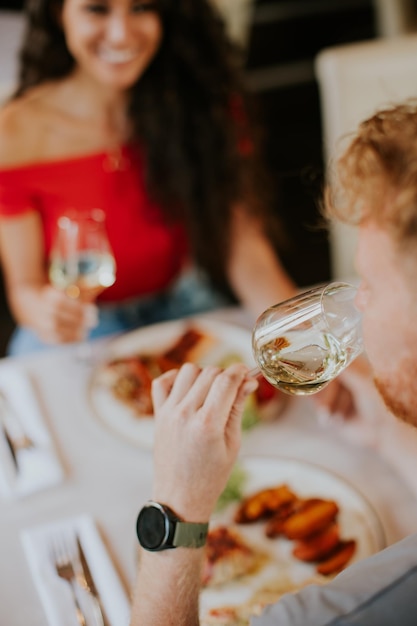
[(355, 80), (237, 15), (395, 17)]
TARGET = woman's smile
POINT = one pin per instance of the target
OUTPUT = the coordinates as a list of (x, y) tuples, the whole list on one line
[(117, 57), (104, 36)]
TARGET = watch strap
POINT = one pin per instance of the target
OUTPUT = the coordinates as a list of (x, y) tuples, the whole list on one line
[(190, 534)]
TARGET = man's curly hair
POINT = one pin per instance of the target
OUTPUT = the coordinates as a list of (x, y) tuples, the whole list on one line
[(189, 114), (376, 177)]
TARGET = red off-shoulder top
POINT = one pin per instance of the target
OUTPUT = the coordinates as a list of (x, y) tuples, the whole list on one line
[(149, 252)]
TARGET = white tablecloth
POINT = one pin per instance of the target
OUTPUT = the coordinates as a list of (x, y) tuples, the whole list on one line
[(110, 479)]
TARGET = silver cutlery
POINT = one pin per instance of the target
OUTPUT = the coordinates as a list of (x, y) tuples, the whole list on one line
[(87, 581), (10, 446), (64, 567), (13, 431)]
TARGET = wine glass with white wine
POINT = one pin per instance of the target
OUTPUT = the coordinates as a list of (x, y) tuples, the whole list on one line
[(81, 260), (303, 343)]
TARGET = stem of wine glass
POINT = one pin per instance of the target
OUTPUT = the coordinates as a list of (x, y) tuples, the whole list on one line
[(255, 372)]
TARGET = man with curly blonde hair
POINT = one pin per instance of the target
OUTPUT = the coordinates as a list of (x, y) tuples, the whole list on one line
[(198, 411)]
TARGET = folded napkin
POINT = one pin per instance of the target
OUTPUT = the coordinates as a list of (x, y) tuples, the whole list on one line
[(40, 545), (28, 460)]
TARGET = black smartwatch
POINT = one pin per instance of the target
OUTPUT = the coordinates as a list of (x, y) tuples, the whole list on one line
[(158, 528)]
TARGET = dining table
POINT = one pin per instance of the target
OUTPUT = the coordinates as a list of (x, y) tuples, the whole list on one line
[(109, 478)]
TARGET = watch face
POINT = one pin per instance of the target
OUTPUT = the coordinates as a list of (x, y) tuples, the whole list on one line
[(152, 527)]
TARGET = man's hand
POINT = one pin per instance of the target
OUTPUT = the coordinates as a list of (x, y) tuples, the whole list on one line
[(197, 435)]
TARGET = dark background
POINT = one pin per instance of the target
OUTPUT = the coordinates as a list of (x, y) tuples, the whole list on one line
[(11, 4), (284, 38)]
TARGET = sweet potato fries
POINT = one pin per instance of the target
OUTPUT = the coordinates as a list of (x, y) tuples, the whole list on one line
[(311, 523)]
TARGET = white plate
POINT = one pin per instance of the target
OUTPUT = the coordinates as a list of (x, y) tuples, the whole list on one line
[(357, 520), (139, 430)]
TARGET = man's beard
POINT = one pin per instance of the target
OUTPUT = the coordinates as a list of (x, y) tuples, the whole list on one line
[(399, 392)]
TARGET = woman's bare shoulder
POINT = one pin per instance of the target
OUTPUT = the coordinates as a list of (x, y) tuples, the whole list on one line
[(18, 131), (21, 126)]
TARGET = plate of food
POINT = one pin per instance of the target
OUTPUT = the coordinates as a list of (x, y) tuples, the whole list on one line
[(120, 386), (286, 524)]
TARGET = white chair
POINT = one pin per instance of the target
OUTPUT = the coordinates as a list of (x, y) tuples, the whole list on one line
[(354, 81), (237, 15), (395, 17)]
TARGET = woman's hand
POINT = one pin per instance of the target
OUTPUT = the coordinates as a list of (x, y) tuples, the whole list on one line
[(34, 303), (197, 438), (353, 406), (369, 423), (56, 318)]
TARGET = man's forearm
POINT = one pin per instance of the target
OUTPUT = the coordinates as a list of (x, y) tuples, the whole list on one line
[(167, 588)]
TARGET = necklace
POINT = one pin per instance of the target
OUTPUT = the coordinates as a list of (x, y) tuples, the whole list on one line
[(115, 160), (117, 136)]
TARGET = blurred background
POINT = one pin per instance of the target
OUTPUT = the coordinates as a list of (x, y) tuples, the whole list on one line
[(280, 41)]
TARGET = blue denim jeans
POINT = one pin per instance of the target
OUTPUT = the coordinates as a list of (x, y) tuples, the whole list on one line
[(190, 295)]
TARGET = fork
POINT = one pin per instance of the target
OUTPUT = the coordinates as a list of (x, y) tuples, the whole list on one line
[(62, 559)]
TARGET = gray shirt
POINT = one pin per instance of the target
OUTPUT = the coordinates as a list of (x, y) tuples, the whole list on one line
[(378, 591)]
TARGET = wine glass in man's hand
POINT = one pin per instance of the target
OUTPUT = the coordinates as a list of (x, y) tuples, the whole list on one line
[(302, 344)]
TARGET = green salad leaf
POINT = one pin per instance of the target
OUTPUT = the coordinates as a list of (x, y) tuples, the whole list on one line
[(233, 492), (230, 359), (250, 415)]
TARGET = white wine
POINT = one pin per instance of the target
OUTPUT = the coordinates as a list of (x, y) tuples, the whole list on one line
[(303, 343), (84, 275), (297, 367)]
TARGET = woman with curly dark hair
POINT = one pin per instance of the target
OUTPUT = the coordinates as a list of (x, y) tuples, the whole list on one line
[(136, 107)]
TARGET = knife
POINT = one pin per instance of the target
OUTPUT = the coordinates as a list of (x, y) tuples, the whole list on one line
[(90, 584), (11, 447), (14, 432)]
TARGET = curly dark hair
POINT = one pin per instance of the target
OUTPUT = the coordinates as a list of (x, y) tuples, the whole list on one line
[(190, 114)]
